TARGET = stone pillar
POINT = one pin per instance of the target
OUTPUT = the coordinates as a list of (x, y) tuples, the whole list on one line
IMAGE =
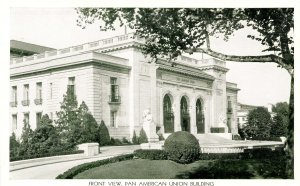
[(153, 95), (176, 110), (192, 112)]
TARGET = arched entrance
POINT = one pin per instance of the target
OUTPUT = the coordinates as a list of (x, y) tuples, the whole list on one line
[(168, 115), (200, 124), (184, 115)]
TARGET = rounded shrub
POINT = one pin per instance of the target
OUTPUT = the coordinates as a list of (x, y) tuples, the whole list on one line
[(182, 147)]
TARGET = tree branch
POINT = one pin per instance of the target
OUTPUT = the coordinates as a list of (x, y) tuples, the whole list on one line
[(259, 59)]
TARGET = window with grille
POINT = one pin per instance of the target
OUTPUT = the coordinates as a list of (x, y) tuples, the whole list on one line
[(114, 97), (14, 122), (71, 85), (113, 115)]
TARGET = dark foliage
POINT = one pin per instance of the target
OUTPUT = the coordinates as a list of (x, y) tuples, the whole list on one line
[(143, 137), (69, 174), (152, 154), (216, 156), (182, 147), (135, 139), (16, 158), (236, 137), (263, 153), (104, 137), (13, 146), (259, 123)]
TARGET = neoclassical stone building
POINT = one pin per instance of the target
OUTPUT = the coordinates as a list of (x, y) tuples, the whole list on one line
[(118, 83)]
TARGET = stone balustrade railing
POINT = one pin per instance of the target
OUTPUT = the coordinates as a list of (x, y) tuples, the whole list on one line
[(222, 149), (83, 47), (107, 43)]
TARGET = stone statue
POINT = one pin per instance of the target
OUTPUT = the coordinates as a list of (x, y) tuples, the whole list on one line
[(149, 126)]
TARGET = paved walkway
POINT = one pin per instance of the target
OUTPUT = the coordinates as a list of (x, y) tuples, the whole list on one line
[(51, 169)]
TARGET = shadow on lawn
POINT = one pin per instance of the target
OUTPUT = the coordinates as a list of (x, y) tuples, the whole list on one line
[(239, 169)]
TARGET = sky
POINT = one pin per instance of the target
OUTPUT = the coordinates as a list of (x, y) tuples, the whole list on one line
[(260, 83)]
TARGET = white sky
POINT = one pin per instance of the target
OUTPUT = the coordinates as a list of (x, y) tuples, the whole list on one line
[(260, 84)]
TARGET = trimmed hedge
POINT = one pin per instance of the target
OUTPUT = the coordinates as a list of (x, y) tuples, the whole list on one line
[(45, 155), (217, 156), (263, 153), (266, 139), (151, 154), (69, 174), (182, 147)]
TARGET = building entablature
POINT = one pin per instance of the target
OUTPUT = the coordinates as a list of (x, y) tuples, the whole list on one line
[(232, 87), (74, 60), (214, 67)]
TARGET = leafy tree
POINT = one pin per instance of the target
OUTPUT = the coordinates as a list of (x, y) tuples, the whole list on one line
[(13, 145), (25, 139), (103, 137), (45, 121), (170, 32), (76, 124), (68, 122), (259, 123), (135, 138), (45, 139), (280, 120), (89, 126)]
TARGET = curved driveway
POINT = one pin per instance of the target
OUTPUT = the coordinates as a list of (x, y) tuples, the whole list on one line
[(50, 171)]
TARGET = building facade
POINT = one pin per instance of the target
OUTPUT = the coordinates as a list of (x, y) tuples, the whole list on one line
[(118, 83)]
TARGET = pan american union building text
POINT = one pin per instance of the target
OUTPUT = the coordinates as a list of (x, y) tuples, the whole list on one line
[(118, 83)]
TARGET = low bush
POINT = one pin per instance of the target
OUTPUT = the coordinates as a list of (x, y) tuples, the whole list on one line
[(236, 137), (153, 154), (104, 137), (263, 153), (143, 137), (45, 155), (216, 156), (135, 139), (182, 147), (69, 174), (266, 139)]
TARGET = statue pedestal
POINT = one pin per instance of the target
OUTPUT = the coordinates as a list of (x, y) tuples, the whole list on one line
[(150, 130), (149, 127)]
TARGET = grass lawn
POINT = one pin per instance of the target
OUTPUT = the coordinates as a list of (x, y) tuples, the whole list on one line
[(139, 169), (203, 169)]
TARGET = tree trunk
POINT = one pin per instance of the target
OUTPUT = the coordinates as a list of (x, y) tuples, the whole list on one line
[(290, 137)]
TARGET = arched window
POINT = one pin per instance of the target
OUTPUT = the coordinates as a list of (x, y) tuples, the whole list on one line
[(168, 115), (200, 117), (185, 117)]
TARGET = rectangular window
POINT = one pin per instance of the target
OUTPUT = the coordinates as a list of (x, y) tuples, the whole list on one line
[(26, 92), (26, 118), (71, 85), (25, 101), (113, 115), (114, 90), (14, 94), (14, 122), (39, 90), (14, 99), (38, 118), (50, 90)]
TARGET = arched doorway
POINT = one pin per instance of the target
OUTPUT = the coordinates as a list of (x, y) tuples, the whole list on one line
[(184, 115), (200, 124), (168, 115)]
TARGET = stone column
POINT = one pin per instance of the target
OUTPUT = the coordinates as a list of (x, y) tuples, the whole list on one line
[(176, 110), (192, 112)]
